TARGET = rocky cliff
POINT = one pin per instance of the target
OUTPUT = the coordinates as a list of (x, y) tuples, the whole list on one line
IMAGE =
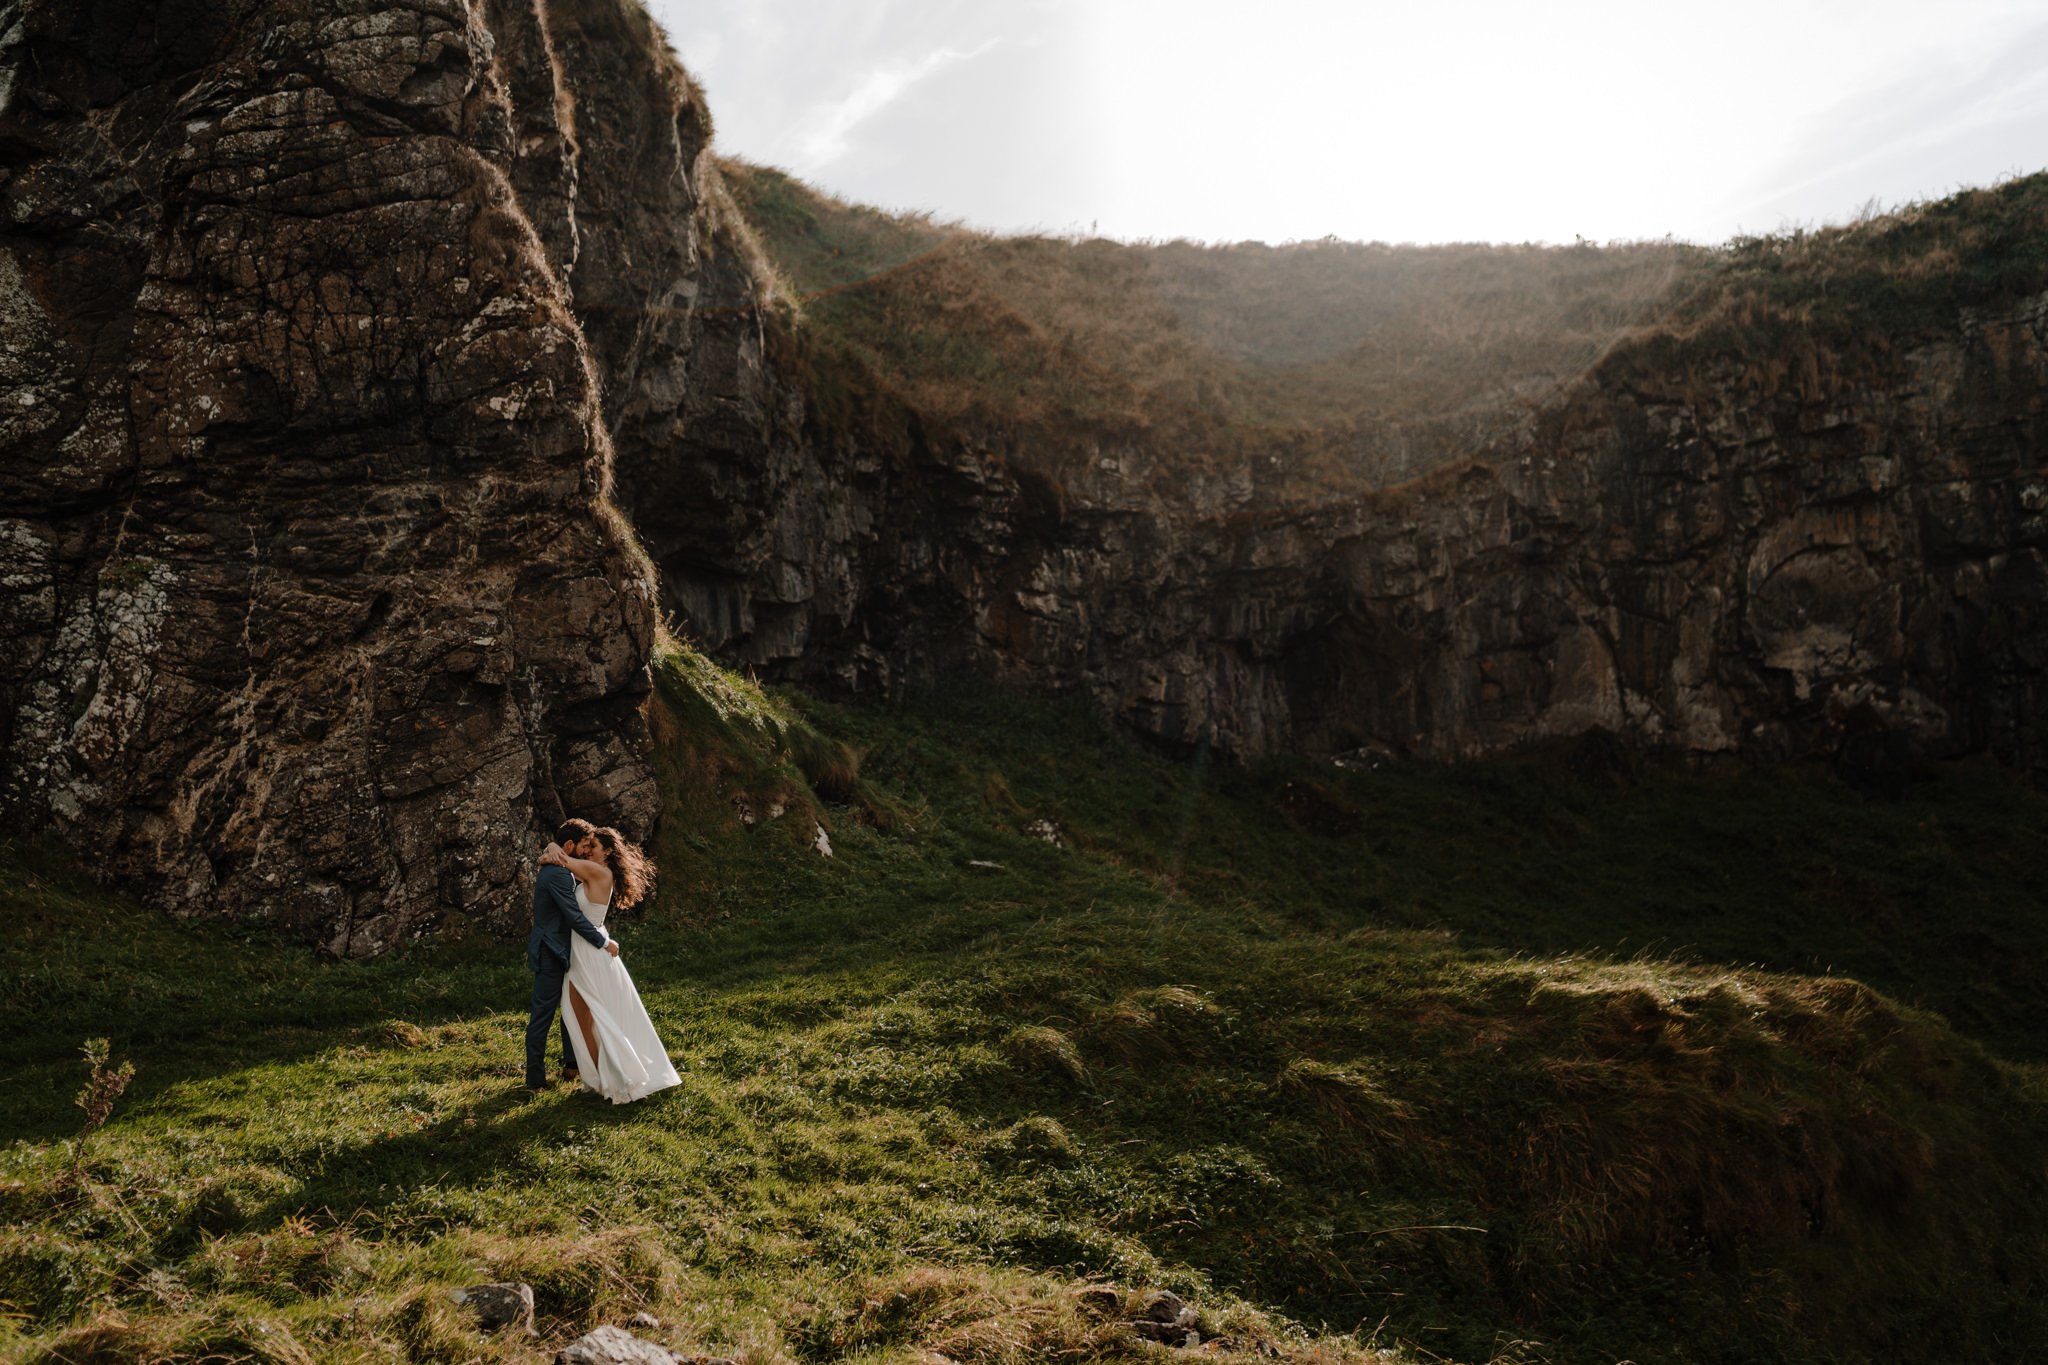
[(331, 327), (313, 605), (1777, 522)]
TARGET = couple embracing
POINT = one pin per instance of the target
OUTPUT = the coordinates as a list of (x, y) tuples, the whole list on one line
[(607, 1040)]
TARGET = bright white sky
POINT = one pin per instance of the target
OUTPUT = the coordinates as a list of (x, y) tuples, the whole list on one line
[(1423, 120)]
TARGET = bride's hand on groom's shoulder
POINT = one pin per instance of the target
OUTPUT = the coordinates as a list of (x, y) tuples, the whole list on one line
[(552, 856)]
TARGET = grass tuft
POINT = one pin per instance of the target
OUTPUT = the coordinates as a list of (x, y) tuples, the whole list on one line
[(1043, 1049)]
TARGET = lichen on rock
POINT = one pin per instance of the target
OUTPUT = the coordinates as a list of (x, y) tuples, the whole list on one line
[(314, 609)]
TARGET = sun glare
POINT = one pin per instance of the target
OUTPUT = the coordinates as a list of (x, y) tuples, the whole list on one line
[(1464, 120)]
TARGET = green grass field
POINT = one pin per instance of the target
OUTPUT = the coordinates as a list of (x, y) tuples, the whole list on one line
[(1511, 1061)]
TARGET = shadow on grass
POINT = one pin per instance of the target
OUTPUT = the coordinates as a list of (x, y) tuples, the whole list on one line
[(170, 1006), (1934, 898), (474, 1146)]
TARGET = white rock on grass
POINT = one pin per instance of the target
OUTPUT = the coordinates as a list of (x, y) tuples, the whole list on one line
[(615, 1346)]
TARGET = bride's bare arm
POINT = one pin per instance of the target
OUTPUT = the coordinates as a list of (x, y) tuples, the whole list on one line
[(596, 876)]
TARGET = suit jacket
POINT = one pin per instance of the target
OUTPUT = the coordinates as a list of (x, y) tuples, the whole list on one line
[(555, 916)]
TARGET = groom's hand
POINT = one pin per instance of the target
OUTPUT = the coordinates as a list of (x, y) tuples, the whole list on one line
[(612, 947)]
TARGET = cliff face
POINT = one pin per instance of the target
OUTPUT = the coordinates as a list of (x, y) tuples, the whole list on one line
[(330, 324), (1712, 545), (1694, 550), (310, 603)]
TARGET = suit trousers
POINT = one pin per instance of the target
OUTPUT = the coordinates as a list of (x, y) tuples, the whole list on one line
[(547, 1004)]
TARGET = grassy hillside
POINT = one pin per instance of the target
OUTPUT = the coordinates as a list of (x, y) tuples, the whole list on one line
[(1516, 1061), (1333, 365), (1322, 351)]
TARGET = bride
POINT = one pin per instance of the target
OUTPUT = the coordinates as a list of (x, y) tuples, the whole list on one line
[(617, 1052)]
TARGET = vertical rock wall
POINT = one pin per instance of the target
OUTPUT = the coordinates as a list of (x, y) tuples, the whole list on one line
[(309, 605), (1694, 548)]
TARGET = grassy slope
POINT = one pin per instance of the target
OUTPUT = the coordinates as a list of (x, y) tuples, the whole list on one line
[(1458, 1059), (1217, 353), (1347, 363)]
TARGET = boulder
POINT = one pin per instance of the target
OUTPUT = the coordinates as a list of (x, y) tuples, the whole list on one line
[(615, 1346), (498, 1305), (1166, 1318)]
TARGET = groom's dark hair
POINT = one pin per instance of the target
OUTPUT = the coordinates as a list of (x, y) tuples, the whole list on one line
[(572, 830)]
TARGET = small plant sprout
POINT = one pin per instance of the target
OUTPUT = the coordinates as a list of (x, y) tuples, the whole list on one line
[(102, 1089)]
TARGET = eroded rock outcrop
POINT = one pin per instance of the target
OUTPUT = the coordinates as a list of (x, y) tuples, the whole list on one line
[(311, 607), (1696, 546), (330, 324)]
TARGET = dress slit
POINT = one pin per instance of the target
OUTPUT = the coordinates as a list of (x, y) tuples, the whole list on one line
[(618, 1053)]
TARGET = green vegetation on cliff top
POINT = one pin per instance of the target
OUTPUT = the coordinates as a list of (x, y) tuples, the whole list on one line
[(1508, 1061), (1341, 364)]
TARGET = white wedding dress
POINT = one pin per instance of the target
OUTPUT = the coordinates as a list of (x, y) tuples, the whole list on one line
[(631, 1063)]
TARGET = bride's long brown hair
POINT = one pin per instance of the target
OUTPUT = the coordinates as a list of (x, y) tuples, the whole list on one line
[(632, 870)]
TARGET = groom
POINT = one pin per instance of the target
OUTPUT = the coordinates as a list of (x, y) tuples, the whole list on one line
[(555, 916)]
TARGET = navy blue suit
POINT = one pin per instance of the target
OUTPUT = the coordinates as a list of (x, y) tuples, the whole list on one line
[(555, 917)]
